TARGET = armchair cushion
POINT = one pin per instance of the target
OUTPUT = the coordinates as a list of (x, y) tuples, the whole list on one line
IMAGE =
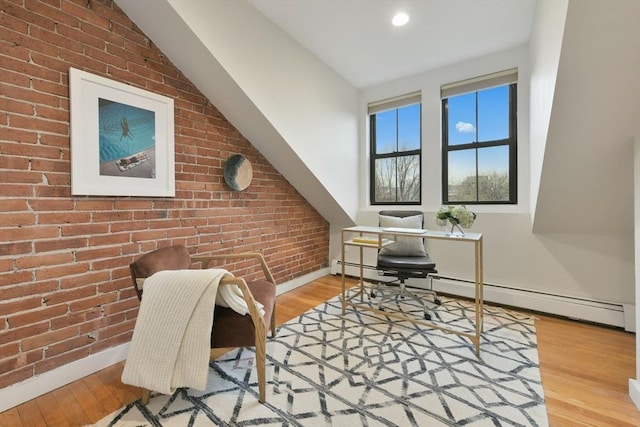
[(403, 246), (226, 322)]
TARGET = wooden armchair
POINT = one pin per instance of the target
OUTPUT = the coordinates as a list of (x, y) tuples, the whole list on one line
[(230, 329)]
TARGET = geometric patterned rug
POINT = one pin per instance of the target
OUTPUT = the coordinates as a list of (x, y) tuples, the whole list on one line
[(364, 369)]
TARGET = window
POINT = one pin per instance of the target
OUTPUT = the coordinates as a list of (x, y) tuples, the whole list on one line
[(395, 151), (479, 140)]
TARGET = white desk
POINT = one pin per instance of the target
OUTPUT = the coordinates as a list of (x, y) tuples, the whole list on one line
[(365, 237)]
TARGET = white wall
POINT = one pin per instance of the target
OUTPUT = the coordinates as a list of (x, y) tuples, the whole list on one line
[(244, 64), (429, 84), (584, 265), (544, 50), (312, 107), (292, 107), (587, 172)]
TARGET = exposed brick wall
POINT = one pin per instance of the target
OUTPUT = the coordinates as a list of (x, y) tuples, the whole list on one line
[(65, 291)]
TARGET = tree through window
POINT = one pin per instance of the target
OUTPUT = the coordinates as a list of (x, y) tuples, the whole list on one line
[(395, 151)]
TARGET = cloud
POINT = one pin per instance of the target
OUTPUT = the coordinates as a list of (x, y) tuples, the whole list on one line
[(463, 127)]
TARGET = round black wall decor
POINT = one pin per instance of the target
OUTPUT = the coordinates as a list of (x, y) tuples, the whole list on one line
[(238, 172)]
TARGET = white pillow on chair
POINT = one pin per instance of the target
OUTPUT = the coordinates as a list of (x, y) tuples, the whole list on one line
[(403, 246)]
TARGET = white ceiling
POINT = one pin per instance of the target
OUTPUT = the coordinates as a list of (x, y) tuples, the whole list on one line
[(353, 36)]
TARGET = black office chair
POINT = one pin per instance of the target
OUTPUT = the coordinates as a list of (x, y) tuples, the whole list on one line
[(404, 259)]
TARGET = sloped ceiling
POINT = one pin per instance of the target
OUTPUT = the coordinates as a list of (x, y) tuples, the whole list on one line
[(224, 49), (586, 183), (586, 175), (347, 38)]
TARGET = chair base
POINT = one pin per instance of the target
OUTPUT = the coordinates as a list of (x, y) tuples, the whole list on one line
[(403, 292)]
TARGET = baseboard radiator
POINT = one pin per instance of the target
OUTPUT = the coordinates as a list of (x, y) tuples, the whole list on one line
[(606, 313)]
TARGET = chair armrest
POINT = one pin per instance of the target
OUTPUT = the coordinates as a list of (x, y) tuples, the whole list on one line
[(206, 260)]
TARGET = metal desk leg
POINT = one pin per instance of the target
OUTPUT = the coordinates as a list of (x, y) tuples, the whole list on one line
[(344, 302), (479, 300)]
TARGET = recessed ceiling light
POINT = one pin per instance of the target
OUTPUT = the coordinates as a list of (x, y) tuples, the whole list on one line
[(400, 19)]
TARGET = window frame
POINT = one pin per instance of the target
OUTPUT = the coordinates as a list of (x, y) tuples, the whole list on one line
[(394, 104), (511, 141)]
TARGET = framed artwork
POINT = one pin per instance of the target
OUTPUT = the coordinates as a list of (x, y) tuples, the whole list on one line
[(122, 139)]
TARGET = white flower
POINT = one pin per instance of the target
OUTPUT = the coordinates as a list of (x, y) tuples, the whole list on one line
[(455, 215)]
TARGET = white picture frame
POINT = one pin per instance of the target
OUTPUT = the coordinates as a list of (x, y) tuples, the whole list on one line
[(122, 139)]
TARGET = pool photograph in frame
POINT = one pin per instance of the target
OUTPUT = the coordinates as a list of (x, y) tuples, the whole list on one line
[(122, 139)]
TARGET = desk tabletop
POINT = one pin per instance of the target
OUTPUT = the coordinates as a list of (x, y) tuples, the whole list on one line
[(429, 234)]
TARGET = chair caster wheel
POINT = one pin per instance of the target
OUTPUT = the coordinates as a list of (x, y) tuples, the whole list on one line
[(437, 301), (381, 308), (427, 316), (372, 294)]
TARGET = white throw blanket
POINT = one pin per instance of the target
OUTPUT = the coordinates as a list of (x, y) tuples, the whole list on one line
[(170, 346)]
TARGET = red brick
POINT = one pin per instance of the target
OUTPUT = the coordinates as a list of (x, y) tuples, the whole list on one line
[(89, 278), (58, 244), (84, 229), (78, 318), (29, 233), (71, 295), (109, 239), (12, 22), (61, 271), (30, 150), (16, 334), (111, 342), (117, 329), (52, 191), (31, 17), (31, 177), (8, 350), (49, 337), (33, 316), (99, 253), (16, 376), (22, 122), (63, 217), (16, 219), (94, 205), (75, 256), (116, 285), (50, 205), (58, 114), (121, 306), (14, 249), (61, 141), (24, 288), (44, 260), (70, 344), (57, 361), (18, 305), (96, 301), (129, 226)]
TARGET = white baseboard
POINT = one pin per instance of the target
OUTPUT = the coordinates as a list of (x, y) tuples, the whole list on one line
[(634, 392), (576, 308), (31, 388), (302, 280)]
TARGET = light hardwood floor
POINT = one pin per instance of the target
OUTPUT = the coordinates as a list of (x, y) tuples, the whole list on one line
[(585, 371)]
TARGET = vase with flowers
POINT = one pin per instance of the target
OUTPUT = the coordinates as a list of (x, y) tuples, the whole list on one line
[(456, 217)]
